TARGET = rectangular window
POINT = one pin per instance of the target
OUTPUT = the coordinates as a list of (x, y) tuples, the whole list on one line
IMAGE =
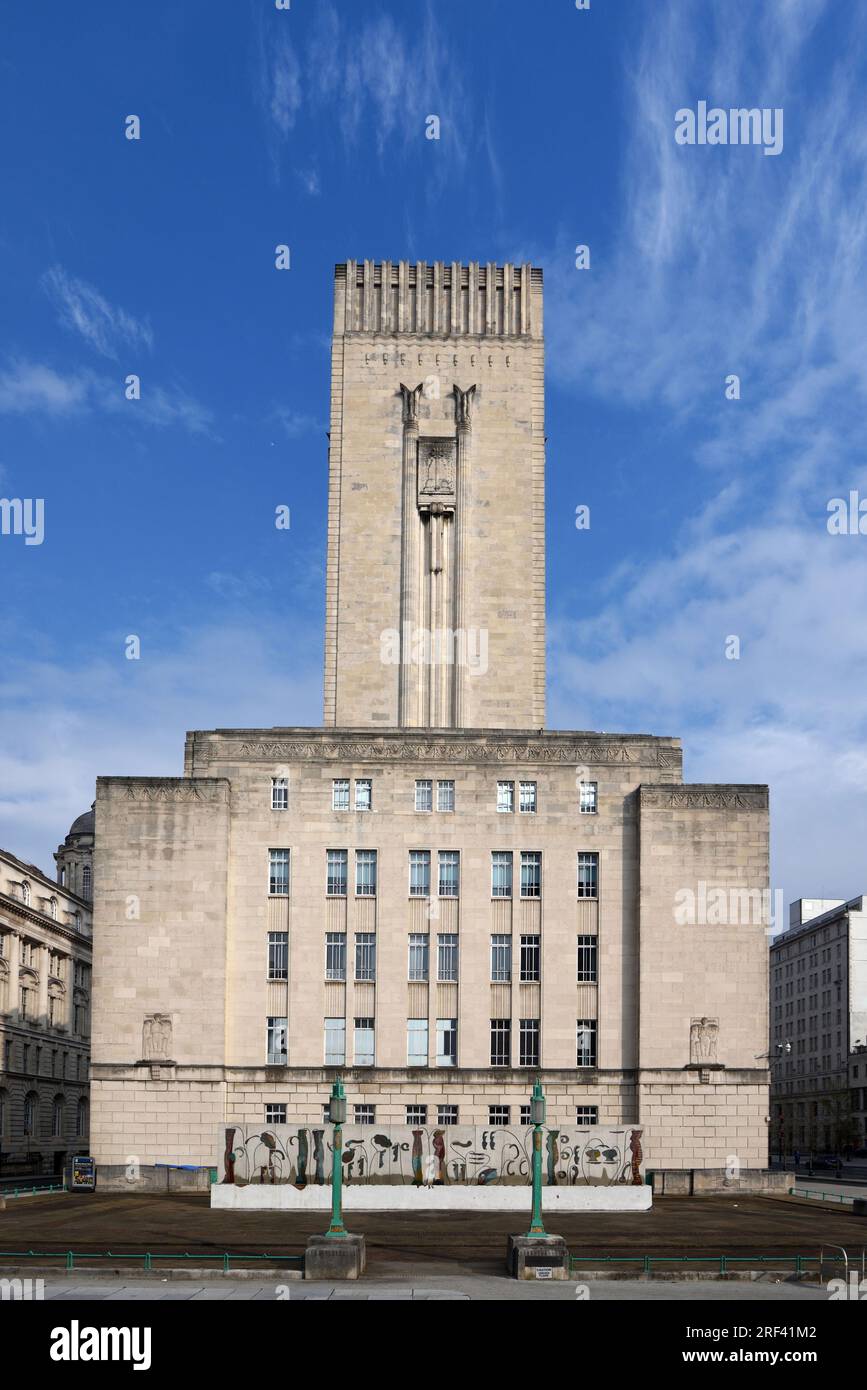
[(279, 793), (505, 796), (278, 955), (363, 1045), (586, 1042), (364, 1114), (588, 875), (419, 873), (365, 955), (528, 1042), (363, 794), (277, 1042), (416, 1114), (278, 875), (587, 798), (531, 958), (447, 1043), (416, 1042), (447, 1114), (531, 873), (424, 794), (335, 1042), (340, 794), (501, 959), (501, 873), (501, 1042), (498, 1115), (527, 797), (587, 947), (365, 873), (336, 872), (525, 1115), (335, 955), (446, 795), (587, 1115), (419, 950), (450, 868), (275, 1114), (447, 957)]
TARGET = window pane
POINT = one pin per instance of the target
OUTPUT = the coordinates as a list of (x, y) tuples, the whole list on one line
[(527, 800), (363, 1043), (449, 873), (278, 950), (587, 1115), (501, 874), (278, 879), (501, 1042), (530, 958), (498, 1115), (447, 1048), (588, 875), (528, 1043), (418, 956), (277, 1041), (531, 874), (586, 1042), (365, 955), (587, 798), (340, 794), (423, 795), (335, 955), (419, 873), (445, 796), (279, 793), (587, 958), (336, 872), (447, 956), (501, 959), (505, 796), (335, 1042), (447, 1114), (363, 794), (365, 873), (416, 1042)]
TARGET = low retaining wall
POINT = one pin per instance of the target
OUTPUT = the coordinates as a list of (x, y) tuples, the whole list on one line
[(405, 1197), (708, 1182), (118, 1177)]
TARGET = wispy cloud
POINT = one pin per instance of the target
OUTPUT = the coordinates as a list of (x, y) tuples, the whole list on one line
[(82, 309), (33, 388)]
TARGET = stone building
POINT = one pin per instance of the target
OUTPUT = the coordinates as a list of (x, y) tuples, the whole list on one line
[(432, 895), (45, 984)]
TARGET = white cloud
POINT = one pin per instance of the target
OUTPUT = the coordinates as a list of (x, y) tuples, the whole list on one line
[(32, 388), (81, 308)]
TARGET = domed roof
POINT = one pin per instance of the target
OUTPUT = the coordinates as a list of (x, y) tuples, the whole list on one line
[(83, 824)]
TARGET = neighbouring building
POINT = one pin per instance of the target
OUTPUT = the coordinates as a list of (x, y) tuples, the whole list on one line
[(45, 985), (818, 1022), (431, 895)]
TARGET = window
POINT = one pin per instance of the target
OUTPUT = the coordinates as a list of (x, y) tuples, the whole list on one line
[(446, 795), (447, 1114), (587, 947), (275, 1114), (586, 1042), (277, 1042), (498, 1114), (416, 1042), (419, 950), (528, 1042), (588, 875), (57, 1117), (449, 879), (530, 958), (30, 1103), (525, 1115), (364, 1046), (52, 908), (527, 797), (419, 873), (279, 795), (278, 880), (447, 957), (4, 1112), (531, 873), (447, 1045), (335, 1042), (501, 874), (587, 1115), (365, 873), (424, 795), (364, 1114), (81, 1119), (25, 898), (340, 794), (501, 959), (416, 1114), (501, 1042), (335, 955), (86, 881), (587, 798), (278, 955), (505, 796), (336, 872), (363, 794), (365, 955)]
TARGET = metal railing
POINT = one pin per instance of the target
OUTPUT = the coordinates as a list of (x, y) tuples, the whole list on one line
[(824, 1196), (720, 1263), (28, 1191), (147, 1256)]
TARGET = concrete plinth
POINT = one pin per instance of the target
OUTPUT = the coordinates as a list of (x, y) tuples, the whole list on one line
[(334, 1257), (538, 1257)]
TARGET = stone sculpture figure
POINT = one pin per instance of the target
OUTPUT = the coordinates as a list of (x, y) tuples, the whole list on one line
[(703, 1036)]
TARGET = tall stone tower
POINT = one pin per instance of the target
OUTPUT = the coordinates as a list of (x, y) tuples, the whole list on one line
[(436, 564)]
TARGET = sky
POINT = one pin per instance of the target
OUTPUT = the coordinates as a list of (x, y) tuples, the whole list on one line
[(155, 257)]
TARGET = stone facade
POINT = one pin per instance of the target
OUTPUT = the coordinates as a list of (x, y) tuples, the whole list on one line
[(431, 896)]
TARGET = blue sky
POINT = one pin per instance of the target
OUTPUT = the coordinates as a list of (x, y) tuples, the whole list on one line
[(259, 127)]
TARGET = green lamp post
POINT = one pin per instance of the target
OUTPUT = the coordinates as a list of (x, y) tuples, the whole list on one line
[(537, 1119), (337, 1114)]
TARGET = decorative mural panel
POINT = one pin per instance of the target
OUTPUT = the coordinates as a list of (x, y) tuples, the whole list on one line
[(430, 1155)]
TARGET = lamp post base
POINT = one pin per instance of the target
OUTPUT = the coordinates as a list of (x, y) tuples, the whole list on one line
[(538, 1257), (335, 1257)]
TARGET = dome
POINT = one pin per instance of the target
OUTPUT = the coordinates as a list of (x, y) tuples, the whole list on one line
[(83, 824)]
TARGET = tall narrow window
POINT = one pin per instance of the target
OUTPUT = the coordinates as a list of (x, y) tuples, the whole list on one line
[(587, 959), (365, 873), (335, 1042), (340, 794), (363, 794), (501, 873), (30, 1103), (364, 1044), (588, 875), (447, 1047), (418, 956), (446, 795), (86, 881), (449, 878), (81, 1119), (501, 959), (277, 1041), (365, 955), (586, 1036), (501, 1042), (335, 955), (505, 796), (336, 872), (531, 874), (278, 877), (419, 873), (416, 1042), (424, 794), (530, 958), (279, 793), (57, 1117), (527, 797), (528, 1042), (278, 955), (447, 957), (587, 798), (25, 893)]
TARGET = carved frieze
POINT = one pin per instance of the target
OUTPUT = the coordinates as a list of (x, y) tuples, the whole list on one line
[(456, 750), (705, 798)]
